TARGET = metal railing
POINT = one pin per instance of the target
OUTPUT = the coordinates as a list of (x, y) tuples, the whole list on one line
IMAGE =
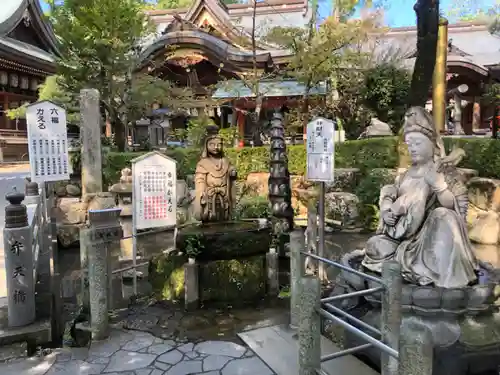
[(307, 309)]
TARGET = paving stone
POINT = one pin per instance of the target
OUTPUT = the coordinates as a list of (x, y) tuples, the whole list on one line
[(140, 341), (124, 360), (74, 367), (158, 341), (224, 348), (62, 354), (186, 347), (106, 348), (79, 354), (246, 366), (173, 357), (215, 362), (162, 366), (28, 366), (143, 371), (143, 350), (186, 368), (209, 373), (192, 355), (157, 372), (249, 353), (121, 373), (160, 348), (97, 360)]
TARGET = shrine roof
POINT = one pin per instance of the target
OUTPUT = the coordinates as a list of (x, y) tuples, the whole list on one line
[(268, 88), (470, 44), (12, 15)]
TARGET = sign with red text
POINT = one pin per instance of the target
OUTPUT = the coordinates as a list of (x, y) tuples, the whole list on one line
[(320, 150), (154, 191), (47, 142)]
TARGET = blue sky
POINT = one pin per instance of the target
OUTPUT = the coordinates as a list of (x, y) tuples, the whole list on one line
[(400, 12)]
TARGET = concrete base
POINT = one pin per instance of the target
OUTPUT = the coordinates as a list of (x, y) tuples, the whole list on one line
[(467, 345)]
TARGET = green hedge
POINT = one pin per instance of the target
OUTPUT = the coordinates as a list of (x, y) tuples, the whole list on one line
[(482, 154)]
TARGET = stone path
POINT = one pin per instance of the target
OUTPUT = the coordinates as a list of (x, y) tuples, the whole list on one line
[(140, 353)]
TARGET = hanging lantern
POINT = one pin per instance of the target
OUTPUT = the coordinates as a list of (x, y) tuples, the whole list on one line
[(14, 80), (34, 84), (4, 78), (25, 82)]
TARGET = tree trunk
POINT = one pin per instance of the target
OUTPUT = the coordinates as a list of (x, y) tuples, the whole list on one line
[(119, 130)]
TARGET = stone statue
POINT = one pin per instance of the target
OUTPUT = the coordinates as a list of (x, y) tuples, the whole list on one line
[(215, 177), (422, 224)]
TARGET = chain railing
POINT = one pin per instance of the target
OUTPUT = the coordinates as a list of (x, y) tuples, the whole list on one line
[(399, 345)]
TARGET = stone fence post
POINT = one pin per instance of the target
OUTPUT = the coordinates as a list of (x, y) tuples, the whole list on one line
[(104, 234), (297, 270), (309, 325), (17, 237), (416, 350), (391, 314)]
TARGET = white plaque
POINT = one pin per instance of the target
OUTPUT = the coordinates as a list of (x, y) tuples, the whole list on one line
[(320, 150), (154, 191), (48, 142)]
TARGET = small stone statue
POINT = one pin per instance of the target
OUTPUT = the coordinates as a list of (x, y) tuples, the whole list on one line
[(423, 213), (215, 177)]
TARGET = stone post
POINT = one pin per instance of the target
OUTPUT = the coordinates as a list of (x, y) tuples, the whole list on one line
[(416, 352), (17, 237), (309, 325), (272, 268), (312, 234), (191, 286), (90, 115), (297, 262), (105, 233), (391, 314)]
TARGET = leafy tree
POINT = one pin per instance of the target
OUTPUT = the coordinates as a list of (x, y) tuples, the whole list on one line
[(100, 45), (176, 4)]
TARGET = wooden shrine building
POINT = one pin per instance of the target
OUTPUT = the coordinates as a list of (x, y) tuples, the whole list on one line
[(208, 47), (27, 56)]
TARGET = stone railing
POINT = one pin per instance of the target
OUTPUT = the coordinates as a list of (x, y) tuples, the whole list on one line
[(404, 351)]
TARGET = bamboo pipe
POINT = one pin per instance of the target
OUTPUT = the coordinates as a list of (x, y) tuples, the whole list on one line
[(439, 78)]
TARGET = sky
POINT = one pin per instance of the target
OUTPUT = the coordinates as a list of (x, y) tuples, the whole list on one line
[(400, 12)]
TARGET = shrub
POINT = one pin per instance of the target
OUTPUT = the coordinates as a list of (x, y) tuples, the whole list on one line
[(252, 208), (481, 154)]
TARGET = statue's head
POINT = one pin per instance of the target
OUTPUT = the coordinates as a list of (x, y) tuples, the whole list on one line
[(213, 143), (420, 135)]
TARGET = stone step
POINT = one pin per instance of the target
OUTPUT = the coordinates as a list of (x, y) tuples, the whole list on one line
[(277, 346)]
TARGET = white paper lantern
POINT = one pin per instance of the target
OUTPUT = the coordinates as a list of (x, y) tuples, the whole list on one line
[(14, 80), (34, 84), (25, 82), (4, 78)]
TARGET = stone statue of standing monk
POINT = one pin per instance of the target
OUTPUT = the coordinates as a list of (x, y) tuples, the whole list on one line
[(214, 181)]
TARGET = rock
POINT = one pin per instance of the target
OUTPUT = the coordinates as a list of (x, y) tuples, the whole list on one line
[(221, 348), (467, 174), (68, 234), (342, 206), (377, 128), (484, 193), (100, 201), (182, 192), (171, 358), (246, 366), (73, 190), (488, 254), (60, 191), (70, 211), (485, 228), (124, 360)]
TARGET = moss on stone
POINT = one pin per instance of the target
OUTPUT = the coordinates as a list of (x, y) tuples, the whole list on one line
[(233, 281), (166, 274)]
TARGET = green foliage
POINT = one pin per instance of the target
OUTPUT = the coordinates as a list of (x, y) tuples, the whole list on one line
[(194, 245), (175, 4), (370, 215), (385, 91), (229, 136), (368, 189), (252, 208), (99, 42)]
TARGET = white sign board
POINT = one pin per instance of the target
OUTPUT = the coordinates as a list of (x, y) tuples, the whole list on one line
[(48, 142), (154, 191), (320, 150)]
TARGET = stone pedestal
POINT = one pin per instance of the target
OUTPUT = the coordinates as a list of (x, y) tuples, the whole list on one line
[(191, 287)]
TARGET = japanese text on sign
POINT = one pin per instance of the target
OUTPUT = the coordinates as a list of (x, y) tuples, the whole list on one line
[(154, 191), (320, 150), (48, 142)]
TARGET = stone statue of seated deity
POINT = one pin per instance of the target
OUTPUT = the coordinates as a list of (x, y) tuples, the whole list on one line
[(422, 215)]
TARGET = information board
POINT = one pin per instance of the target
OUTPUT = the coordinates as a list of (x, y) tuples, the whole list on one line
[(154, 191), (320, 150), (48, 142)]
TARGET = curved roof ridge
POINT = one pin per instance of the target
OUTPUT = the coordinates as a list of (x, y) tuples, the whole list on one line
[(12, 13)]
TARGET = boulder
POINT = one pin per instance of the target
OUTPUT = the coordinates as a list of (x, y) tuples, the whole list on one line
[(377, 128), (485, 229), (484, 193), (69, 235), (345, 180), (70, 211), (73, 190), (182, 193), (60, 191), (100, 201), (342, 206)]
